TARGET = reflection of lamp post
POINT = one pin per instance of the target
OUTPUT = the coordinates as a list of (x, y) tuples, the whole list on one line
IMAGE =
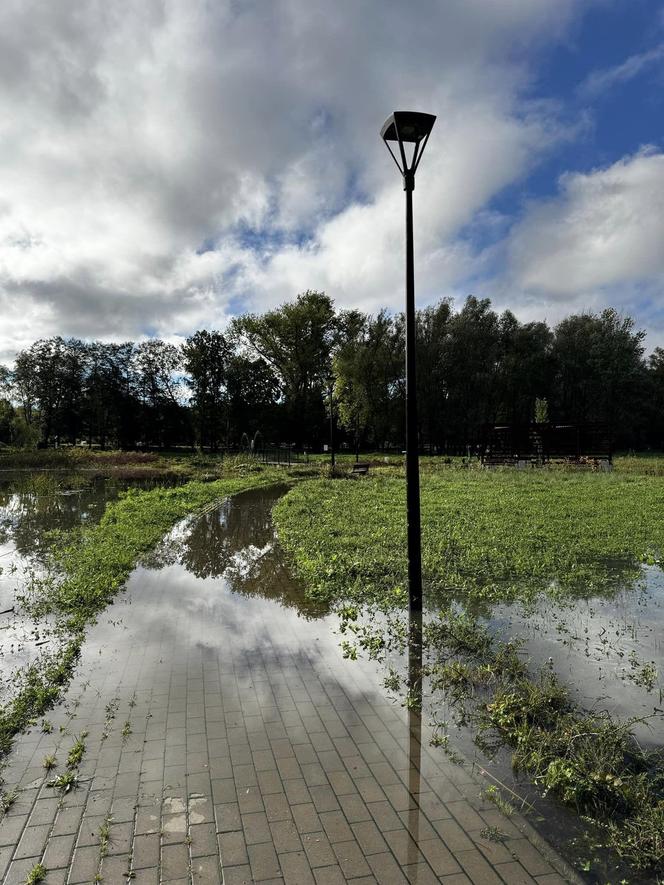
[(410, 128), (330, 384)]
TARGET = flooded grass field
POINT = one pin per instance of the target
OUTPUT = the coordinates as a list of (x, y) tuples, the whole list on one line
[(609, 650), (545, 597)]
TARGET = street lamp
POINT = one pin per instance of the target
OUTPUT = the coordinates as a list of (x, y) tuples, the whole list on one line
[(409, 131)]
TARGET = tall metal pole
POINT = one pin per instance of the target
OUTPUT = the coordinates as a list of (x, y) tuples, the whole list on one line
[(331, 427), (412, 455)]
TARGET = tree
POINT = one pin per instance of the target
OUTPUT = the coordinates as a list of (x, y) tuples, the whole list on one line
[(600, 371), (524, 369), (110, 407), (252, 390), (369, 386), (296, 340), (156, 364), (431, 339), (48, 378), (206, 361), (471, 360)]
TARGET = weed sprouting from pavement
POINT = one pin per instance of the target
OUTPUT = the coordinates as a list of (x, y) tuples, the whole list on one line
[(36, 874)]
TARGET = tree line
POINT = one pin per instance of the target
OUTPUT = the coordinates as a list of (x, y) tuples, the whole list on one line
[(280, 372)]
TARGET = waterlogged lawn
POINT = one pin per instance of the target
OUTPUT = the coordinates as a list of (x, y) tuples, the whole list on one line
[(486, 536)]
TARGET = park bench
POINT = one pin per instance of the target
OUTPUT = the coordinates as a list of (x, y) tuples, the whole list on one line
[(361, 468)]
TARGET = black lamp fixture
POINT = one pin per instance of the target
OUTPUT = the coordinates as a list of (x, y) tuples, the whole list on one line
[(407, 128), (409, 132)]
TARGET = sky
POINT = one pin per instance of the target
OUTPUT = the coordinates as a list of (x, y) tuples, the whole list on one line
[(168, 164)]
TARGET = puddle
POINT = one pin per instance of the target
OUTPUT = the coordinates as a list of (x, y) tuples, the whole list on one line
[(609, 651), (230, 548)]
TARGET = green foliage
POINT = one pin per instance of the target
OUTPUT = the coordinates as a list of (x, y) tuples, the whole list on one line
[(65, 782), (36, 874), (7, 799), (369, 370), (541, 411), (588, 761), (76, 753), (38, 687)]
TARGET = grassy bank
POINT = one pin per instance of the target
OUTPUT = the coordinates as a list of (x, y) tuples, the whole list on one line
[(94, 567), (488, 537)]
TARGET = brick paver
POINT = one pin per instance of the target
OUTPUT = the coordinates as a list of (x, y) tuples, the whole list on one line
[(229, 741)]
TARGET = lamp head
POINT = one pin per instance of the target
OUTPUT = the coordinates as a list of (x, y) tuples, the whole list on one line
[(407, 127)]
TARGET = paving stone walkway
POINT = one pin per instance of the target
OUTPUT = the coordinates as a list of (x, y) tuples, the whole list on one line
[(228, 741)]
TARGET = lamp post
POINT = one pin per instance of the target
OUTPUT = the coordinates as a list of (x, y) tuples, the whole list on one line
[(330, 384), (410, 131)]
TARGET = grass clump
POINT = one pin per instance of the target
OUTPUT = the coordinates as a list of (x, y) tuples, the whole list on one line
[(588, 761), (77, 751), (38, 687), (7, 799), (65, 781), (36, 874)]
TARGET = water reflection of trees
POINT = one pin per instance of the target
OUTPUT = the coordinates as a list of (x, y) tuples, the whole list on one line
[(34, 504), (29, 509), (236, 541)]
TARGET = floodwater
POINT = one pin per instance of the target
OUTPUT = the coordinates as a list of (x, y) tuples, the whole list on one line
[(33, 505), (222, 578), (609, 650), (218, 591)]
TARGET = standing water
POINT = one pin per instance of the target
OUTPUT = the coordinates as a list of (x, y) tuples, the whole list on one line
[(248, 742)]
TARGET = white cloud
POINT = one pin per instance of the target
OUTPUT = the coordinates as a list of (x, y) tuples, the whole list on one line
[(601, 81), (132, 135), (603, 229)]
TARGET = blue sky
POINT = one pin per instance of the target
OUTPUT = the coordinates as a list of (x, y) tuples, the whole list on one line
[(624, 115), (167, 165)]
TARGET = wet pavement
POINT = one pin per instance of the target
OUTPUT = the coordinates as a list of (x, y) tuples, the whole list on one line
[(229, 741)]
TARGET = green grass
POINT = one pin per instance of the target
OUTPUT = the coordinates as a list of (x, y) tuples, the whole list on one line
[(486, 536), (95, 567)]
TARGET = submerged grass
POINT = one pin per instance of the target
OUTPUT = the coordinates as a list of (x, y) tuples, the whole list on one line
[(589, 761), (94, 568)]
